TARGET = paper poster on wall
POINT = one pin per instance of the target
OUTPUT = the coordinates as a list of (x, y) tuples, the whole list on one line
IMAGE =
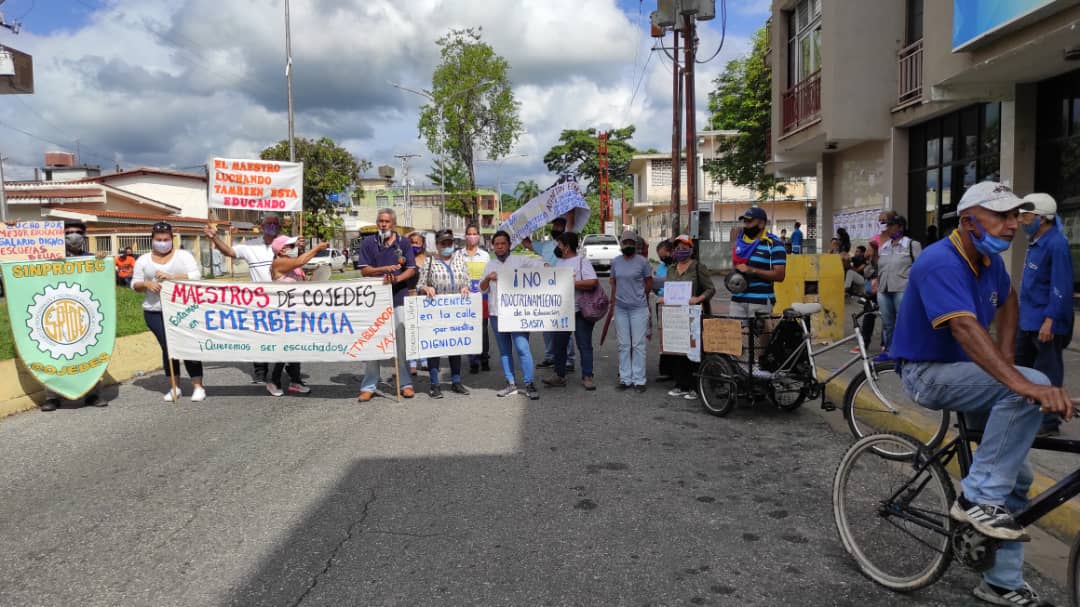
[(536, 299), (444, 325)]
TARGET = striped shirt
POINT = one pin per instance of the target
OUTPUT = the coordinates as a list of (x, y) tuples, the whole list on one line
[(768, 254)]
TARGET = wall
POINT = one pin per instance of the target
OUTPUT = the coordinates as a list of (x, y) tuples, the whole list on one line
[(860, 176), (188, 194)]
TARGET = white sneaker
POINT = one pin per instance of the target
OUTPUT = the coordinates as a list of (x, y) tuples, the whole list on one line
[(172, 396), (691, 395), (299, 389), (198, 395), (676, 392), (274, 390)]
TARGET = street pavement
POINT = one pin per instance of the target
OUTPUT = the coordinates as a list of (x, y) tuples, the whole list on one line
[(579, 498)]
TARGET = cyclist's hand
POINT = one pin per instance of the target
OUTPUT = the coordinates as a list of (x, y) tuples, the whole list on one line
[(1051, 399)]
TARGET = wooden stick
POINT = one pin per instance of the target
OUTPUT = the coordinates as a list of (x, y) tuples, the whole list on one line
[(172, 380), (397, 371)]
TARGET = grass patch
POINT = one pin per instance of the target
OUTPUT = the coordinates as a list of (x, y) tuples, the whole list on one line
[(128, 313)]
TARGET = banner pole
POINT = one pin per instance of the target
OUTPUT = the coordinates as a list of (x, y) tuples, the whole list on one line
[(172, 380), (397, 373)]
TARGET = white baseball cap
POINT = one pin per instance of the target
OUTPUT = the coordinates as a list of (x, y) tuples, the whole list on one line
[(1044, 204), (994, 196)]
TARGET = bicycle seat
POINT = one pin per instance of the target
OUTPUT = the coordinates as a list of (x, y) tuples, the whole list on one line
[(806, 309)]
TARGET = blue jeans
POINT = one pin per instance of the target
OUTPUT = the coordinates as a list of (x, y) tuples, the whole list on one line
[(561, 345), (889, 304), (1000, 473), (549, 348), (373, 368), (630, 328), (508, 342), (482, 357), (1045, 357), (455, 369)]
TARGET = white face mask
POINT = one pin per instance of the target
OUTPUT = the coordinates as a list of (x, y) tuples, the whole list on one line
[(293, 252), (882, 226), (162, 246), (385, 234)]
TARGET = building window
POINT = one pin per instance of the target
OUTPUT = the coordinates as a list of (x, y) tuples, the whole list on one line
[(914, 28), (804, 41), (948, 155), (1057, 155)]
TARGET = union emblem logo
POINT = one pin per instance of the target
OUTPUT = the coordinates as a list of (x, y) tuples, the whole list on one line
[(65, 320)]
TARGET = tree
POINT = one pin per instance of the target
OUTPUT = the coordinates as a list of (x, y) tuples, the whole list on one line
[(741, 102), (579, 148), (525, 191), (458, 193), (328, 169), (473, 107)]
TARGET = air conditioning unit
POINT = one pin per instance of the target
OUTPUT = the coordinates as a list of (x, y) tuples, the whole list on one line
[(386, 171)]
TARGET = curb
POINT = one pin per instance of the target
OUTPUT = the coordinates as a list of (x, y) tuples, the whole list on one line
[(132, 356), (1063, 523)]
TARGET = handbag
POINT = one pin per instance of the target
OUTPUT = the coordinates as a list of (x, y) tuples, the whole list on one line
[(593, 303)]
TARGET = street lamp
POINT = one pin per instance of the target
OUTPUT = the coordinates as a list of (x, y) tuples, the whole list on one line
[(442, 161)]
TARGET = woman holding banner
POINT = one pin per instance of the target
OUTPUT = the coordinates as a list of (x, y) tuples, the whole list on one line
[(416, 241), (585, 280), (165, 262), (288, 266), (686, 269), (444, 274)]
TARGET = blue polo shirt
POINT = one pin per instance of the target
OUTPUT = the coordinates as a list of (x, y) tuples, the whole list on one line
[(944, 284), (1046, 289), (373, 252), (769, 253)]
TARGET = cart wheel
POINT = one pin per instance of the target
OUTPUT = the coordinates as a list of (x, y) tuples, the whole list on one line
[(718, 384)]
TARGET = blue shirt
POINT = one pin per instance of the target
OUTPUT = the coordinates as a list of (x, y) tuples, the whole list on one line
[(767, 255), (630, 275), (796, 241), (1047, 285), (659, 277), (944, 285), (546, 249), (374, 253)]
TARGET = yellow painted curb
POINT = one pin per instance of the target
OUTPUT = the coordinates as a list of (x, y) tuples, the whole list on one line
[(19, 391), (1063, 522)]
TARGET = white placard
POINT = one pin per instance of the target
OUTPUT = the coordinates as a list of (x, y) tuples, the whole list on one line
[(678, 293), (350, 320), (694, 352), (536, 299), (444, 325), (259, 185), (681, 331)]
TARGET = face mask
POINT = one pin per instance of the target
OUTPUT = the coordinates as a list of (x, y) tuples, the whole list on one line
[(292, 252), (751, 232), (162, 246), (896, 234), (271, 229), (558, 253), (555, 234), (385, 234), (665, 259), (987, 244), (472, 239), (446, 251), (416, 250), (74, 241), (882, 227), (629, 251), (1032, 228), (682, 255)]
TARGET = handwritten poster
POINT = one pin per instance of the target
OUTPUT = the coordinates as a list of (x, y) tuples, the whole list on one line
[(260, 185), (444, 325), (536, 299), (677, 293), (680, 331), (279, 322), (32, 241)]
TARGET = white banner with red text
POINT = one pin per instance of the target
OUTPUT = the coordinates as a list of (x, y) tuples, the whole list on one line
[(256, 185)]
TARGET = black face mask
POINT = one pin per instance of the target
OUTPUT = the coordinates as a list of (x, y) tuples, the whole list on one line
[(666, 259), (751, 232), (555, 234), (629, 251), (558, 252)]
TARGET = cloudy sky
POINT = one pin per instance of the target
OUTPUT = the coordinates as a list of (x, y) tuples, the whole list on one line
[(170, 83)]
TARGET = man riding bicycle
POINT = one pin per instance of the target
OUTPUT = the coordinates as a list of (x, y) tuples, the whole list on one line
[(949, 360)]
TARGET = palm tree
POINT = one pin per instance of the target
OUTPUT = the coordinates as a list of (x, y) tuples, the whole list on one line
[(526, 191)]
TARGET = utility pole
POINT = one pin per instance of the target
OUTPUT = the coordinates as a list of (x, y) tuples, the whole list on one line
[(691, 117), (405, 179), (288, 79), (3, 193), (676, 132)]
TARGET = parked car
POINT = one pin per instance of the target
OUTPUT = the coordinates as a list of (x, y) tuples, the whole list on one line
[(327, 257), (600, 249)]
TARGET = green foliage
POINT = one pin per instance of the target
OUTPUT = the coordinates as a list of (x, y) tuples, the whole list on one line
[(459, 196), (525, 191), (328, 169), (473, 107), (741, 102), (580, 148)]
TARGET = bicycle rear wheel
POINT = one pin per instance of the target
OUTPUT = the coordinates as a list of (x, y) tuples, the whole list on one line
[(902, 542), (867, 413), (718, 380)]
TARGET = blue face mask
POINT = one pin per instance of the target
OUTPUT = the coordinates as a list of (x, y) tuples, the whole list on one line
[(988, 244), (1033, 227), (447, 251)]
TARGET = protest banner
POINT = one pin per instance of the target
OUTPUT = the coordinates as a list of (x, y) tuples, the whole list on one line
[(553, 202), (350, 320), (680, 331), (444, 325), (32, 241), (63, 319), (536, 299), (677, 293), (260, 185)]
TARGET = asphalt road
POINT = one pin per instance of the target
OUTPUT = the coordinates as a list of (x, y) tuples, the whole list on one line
[(579, 498)]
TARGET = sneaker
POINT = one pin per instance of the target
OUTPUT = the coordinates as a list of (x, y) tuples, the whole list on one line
[(588, 383), (855, 350), (198, 395), (530, 391), (691, 395), (507, 391), (173, 395), (1003, 596), (50, 404), (883, 357), (365, 396), (640, 389), (988, 519), (623, 387), (273, 389), (459, 388), (408, 392), (435, 392), (676, 392), (555, 382), (95, 401), (546, 364), (297, 388)]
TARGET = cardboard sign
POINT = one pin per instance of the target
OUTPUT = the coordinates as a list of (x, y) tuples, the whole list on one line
[(32, 241), (723, 336), (444, 325), (350, 320), (536, 299), (260, 185), (678, 293)]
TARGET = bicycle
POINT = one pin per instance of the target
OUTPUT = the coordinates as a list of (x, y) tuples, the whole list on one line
[(874, 400), (916, 508)]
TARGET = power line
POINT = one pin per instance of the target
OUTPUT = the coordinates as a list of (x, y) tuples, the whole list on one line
[(66, 146), (723, 30), (644, 72)]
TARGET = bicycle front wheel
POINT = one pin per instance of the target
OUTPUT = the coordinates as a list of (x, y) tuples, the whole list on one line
[(1074, 573), (892, 515), (867, 412)]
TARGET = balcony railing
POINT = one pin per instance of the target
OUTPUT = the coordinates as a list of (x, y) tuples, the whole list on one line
[(802, 103), (909, 82)]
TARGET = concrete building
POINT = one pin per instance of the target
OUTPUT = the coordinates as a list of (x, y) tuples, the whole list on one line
[(424, 209), (904, 104)]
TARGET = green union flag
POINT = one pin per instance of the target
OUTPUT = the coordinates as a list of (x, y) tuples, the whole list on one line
[(63, 317)]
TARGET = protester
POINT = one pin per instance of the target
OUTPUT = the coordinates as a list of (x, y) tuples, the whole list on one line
[(549, 251), (125, 267), (870, 291), (388, 256), (686, 269), (834, 246), (931, 236), (75, 245), (631, 282), (288, 266), (760, 257), (585, 280), (418, 244), (1046, 314), (796, 239), (883, 225), (854, 279), (510, 340), (664, 253), (259, 257), (444, 273), (474, 254), (895, 257)]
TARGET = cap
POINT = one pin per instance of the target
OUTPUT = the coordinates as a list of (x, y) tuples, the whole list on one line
[(755, 213), (442, 235), (281, 242), (628, 235), (683, 238), (994, 196), (74, 223), (1044, 204)]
